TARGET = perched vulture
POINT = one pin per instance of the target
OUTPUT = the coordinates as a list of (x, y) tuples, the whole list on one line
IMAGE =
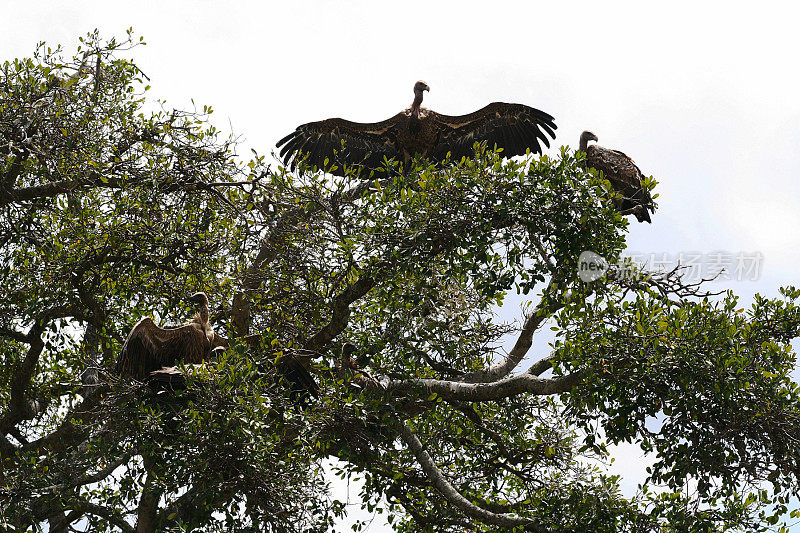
[(149, 348), (417, 132), (294, 368), (624, 176), (302, 385), (359, 378)]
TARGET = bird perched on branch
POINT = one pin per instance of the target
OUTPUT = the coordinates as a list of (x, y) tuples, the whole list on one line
[(303, 386), (624, 176), (417, 131), (358, 376), (149, 348)]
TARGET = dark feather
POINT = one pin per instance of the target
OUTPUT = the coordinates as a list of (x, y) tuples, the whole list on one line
[(302, 384), (365, 144), (513, 127), (149, 347), (509, 126), (625, 177)]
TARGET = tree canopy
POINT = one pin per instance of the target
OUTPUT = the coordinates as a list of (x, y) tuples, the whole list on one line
[(115, 207)]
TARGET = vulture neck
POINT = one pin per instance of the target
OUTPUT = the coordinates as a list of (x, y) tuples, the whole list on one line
[(585, 138), (201, 317), (201, 322), (415, 105)]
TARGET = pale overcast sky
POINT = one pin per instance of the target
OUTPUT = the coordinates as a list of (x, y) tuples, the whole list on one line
[(703, 96)]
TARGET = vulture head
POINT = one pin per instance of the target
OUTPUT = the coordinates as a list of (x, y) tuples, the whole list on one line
[(200, 301), (586, 136), (418, 88), (421, 86)]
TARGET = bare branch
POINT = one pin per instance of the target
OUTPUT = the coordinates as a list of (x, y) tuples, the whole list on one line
[(481, 392), (70, 431), (340, 314), (542, 365), (271, 247), (549, 304), (666, 284), (106, 513)]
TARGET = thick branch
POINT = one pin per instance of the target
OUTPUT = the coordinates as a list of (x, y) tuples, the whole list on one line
[(84, 507), (542, 365), (71, 429), (481, 392), (108, 514), (14, 334), (48, 190), (19, 407), (340, 312), (453, 496), (148, 505), (10, 176), (90, 478), (270, 249)]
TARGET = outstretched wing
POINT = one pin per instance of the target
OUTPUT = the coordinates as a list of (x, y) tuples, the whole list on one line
[(512, 127), (341, 142), (149, 347), (625, 177)]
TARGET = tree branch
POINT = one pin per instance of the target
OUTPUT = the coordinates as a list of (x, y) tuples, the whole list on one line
[(454, 497), (147, 511), (14, 335), (340, 312), (548, 305), (19, 408), (481, 392), (270, 249), (90, 478), (107, 514), (541, 366)]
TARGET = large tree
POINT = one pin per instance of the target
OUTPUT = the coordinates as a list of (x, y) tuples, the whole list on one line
[(113, 208)]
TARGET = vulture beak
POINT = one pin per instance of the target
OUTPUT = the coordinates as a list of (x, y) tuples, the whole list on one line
[(427, 88)]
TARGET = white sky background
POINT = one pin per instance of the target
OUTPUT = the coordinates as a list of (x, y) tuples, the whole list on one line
[(702, 96)]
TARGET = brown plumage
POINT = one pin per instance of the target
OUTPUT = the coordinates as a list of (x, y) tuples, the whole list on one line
[(302, 384), (624, 176), (417, 131), (170, 377), (347, 369), (149, 348)]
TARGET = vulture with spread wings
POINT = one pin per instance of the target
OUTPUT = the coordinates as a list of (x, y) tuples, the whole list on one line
[(417, 132), (624, 176), (149, 348)]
